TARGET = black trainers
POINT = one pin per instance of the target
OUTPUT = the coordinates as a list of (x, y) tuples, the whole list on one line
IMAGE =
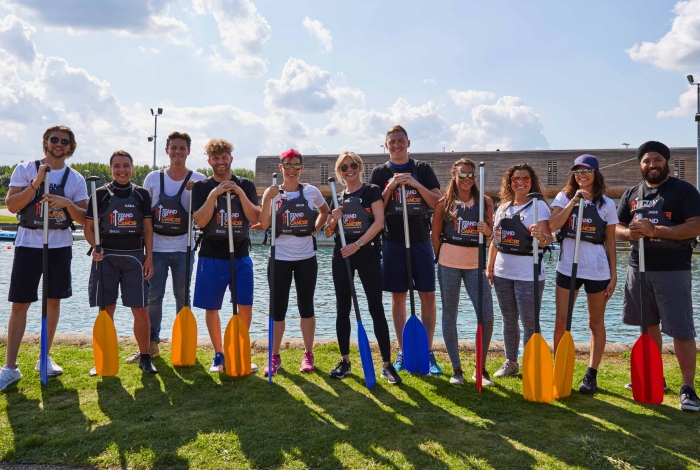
[(689, 399), (389, 373), (146, 365), (589, 384), (341, 370)]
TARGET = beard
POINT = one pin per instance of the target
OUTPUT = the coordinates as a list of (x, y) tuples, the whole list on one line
[(656, 179)]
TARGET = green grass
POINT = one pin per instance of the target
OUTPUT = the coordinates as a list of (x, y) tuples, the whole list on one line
[(185, 417), (8, 219)]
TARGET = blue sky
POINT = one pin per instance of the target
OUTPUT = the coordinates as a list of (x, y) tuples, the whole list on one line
[(331, 76)]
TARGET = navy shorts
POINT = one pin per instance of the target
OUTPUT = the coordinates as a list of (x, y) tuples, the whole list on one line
[(589, 285), (394, 276), (214, 276), (121, 270), (27, 268)]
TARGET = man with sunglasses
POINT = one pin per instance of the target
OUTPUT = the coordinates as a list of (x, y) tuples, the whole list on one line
[(66, 193), (422, 192)]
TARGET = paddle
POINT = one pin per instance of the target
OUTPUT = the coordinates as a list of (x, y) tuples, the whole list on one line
[(645, 363), (415, 339), (480, 287), (104, 335), (537, 358), (565, 356), (236, 338), (184, 345), (44, 348), (362, 340), (271, 314)]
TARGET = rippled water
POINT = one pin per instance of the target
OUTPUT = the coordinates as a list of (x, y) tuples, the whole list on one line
[(77, 317)]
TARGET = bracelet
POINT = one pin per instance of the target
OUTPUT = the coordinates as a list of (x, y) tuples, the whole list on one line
[(31, 183), (490, 269), (148, 259)]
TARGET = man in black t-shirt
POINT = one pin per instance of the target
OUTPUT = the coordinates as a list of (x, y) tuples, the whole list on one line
[(669, 230), (422, 191), (126, 229), (213, 265)]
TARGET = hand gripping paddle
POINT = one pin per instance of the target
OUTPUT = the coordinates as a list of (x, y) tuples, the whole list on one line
[(236, 338), (104, 335), (646, 365), (362, 340), (480, 287), (271, 314), (537, 358), (565, 356), (184, 349), (44, 351)]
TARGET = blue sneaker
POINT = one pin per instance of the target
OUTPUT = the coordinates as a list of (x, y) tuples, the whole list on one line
[(434, 367), (398, 363), (218, 365)]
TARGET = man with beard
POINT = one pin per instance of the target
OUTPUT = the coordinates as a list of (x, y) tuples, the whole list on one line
[(670, 229)]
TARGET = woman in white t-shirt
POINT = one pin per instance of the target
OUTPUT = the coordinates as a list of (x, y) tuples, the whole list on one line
[(597, 268), (296, 227), (510, 268)]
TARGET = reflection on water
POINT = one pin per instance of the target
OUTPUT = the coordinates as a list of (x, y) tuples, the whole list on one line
[(77, 317)]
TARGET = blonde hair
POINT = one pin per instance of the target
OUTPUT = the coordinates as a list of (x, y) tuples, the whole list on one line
[(217, 146), (339, 162), (396, 128)]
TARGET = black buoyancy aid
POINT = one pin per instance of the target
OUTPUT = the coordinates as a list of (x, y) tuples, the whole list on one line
[(657, 216), (122, 216), (294, 216), (169, 215), (462, 229), (217, 228), (415, 204), (592, 228), (32, 215), (511, 236), (357, 217)]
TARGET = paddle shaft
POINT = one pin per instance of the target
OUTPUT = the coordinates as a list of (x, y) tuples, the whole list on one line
[(189, 252), (482, 252), (642, 281), (231, 254), (574, 266), (408, 250), (45, 267), (536, 268), (98, 246), (271, 319)]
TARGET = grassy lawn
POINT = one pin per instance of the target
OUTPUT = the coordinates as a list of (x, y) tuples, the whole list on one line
[(186, 417), (8, 219)]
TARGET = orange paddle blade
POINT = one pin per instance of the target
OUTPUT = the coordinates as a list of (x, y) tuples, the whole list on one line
[(237, 348), (104, 345), (184, 343), (564, 367), (537, 370), (647, 371)]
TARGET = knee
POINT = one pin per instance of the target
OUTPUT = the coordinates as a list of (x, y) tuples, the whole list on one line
[(140, 314)]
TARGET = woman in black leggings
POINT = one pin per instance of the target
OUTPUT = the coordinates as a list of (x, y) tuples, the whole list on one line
[(362, 213)]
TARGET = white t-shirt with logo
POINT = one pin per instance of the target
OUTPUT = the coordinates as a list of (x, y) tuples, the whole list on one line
[(514, 267), (592, 258), (75, 190), (290, 247), (163, 243)]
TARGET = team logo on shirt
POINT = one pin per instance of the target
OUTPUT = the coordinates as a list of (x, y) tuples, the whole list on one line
[(586, 223), (168, 216), (294, 219), (222, 219), (465, 227), (122, 219), (54, 213), (350, 221), (412, 196), (507, 237)]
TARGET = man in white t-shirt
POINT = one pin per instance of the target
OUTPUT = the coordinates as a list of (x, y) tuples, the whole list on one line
[(170, 196), (67, 196)]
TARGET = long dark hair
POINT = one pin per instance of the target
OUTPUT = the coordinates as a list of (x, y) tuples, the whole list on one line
[(451, 191), (599, 187), (507, 194)]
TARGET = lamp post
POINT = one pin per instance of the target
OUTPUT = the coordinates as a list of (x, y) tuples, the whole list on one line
[(697, 120), (383, 148), (153, 137), (626, 145)]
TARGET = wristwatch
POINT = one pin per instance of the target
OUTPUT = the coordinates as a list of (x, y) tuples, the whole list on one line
[(359, 243)]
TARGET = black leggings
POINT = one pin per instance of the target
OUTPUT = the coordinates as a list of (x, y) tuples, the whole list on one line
[(304, 272), (370, 273)]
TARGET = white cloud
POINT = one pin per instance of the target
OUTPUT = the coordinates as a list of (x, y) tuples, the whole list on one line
[(15, 39), (307, 147), (243, 33), (429, 81), (317, 30), (470, 98), (148, 50), (302, 87), (687, 104)]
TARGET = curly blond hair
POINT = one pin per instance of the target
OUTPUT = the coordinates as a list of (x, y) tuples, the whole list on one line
[(217, 146)]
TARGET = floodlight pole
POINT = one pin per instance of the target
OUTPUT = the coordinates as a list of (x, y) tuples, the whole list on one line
[(154, 137), (697, 158)]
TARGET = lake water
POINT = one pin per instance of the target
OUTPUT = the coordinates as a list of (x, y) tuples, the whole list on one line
[(77, 317)]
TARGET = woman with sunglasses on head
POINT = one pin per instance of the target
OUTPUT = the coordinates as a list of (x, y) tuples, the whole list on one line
[(509, 267), (361, 209), (597, 267), (296, 227), (455, 234)]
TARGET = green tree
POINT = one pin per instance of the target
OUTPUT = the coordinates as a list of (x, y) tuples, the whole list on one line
[(242, 172)]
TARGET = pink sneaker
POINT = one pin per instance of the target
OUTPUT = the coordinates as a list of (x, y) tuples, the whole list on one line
[(276, 365), (307, 362)]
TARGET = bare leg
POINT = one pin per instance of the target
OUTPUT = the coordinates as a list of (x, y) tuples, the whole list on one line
[(685, 351), (214, 328), (15, 332), (142, 328), (596, 322), (428, 313), (655, 333), (398, 314), (562, 305), (246, 314), (279, 334), (308, 329)]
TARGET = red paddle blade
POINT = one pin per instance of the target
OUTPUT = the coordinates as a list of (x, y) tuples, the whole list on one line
[(647, 371), (479, 357)]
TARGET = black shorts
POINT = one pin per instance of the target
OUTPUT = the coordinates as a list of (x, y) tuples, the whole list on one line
[(26, 274), (120, 269), (590, 286)]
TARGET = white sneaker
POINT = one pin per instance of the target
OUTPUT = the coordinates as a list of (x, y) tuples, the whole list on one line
[(253, 367), (485, 379), (52, 369), (93, 372), (9, 376)]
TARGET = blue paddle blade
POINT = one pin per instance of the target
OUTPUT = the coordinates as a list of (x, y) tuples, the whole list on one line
[(416, 355), (44, 353), (270, 337), (366, 356)]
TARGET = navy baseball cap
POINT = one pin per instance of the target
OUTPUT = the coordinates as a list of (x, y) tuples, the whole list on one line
[(589, 161)]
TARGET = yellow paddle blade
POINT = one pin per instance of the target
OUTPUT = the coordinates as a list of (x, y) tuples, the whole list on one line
[(537, 370), (564, 367), (237, 348), (184, 342), (104, 345)]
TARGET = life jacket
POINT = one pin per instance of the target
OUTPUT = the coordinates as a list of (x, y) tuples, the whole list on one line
[(357, 218), (122, 216), (511, 236), (462, 229), (169, 215), (32, 215), (657, 216), (294, 216), (217, 228), (592, 228), (415, 205)]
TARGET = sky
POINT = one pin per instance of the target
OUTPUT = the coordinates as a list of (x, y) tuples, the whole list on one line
[(325, 77)]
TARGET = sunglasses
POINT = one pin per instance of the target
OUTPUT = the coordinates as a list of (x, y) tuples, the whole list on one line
[(55, 140), (353, 165), (518, 179), (461, 175), (583, 172), (289, 165)]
